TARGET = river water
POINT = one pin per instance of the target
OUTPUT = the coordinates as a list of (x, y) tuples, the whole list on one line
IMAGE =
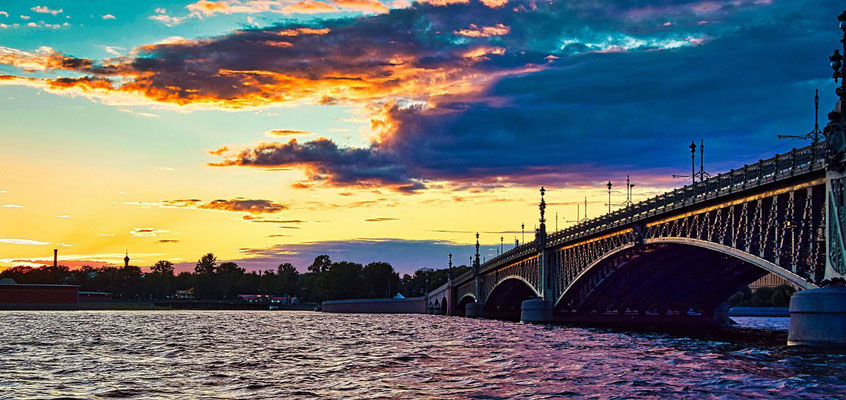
[(220, 354)]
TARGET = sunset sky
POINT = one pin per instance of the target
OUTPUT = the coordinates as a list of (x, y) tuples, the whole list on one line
[(271, 131)]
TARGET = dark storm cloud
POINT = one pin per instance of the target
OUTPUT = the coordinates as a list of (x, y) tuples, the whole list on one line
[(531, 92)]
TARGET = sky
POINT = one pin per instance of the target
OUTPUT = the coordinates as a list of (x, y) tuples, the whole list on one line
[(270, 131)]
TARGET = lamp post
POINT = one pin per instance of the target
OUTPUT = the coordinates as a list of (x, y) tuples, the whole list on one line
[(501, 243), (609, 197), (693, 162), (523, 233), (835, 130)]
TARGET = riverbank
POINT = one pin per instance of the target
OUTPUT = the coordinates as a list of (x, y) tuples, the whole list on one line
[(759, 312)]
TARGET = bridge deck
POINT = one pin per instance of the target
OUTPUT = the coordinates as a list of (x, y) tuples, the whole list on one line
[(751, 178)]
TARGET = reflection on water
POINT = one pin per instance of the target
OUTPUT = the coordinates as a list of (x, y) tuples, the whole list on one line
[(303, 354)]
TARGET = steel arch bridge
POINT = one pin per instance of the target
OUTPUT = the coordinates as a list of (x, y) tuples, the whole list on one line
[(682, 253)]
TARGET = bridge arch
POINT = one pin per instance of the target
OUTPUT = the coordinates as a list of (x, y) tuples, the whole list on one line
[(462, 304), (507, 296), (665, 275)]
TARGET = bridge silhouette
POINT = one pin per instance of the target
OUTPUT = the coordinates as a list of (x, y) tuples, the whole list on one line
[(677, 256)]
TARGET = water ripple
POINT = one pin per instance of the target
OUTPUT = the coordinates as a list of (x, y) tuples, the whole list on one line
[(213, 354)]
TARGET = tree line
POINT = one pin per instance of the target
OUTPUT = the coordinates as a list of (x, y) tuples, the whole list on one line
[(214, 280)]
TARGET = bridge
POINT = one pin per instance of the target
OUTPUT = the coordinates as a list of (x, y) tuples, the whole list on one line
[(677, 256)]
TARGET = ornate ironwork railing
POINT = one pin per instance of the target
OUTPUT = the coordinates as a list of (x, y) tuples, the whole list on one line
[(781, 167)]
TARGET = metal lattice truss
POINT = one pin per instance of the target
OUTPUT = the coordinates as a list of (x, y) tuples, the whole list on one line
[(525, 270), (784, 227), (570, 261)]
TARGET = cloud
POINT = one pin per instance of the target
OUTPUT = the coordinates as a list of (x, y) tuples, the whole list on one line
[(168, 241), (484, 31), (253, 218), (322, 160), (238, 204), (108, 16), (245, 205), (287, 132), (11, 206), (138, 113), (167, 19), (147, 232), (46, 10), (380, 219), (23, 242), (572, 94)]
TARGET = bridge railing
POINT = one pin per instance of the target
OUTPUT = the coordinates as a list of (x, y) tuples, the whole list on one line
[(782, 166)]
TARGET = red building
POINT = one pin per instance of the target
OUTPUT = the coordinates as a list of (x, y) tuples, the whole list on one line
[(13, 293)]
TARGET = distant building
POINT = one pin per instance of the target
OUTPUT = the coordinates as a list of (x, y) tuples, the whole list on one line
[(185, 294), (254, 298), (95, 297), (769, 280), (284, 300), (16, 294)]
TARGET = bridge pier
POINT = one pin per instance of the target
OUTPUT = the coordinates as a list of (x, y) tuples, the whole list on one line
[(536, 311), (473, 310), (818, 318)]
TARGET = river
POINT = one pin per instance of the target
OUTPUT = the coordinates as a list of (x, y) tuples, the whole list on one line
[(260, 354)]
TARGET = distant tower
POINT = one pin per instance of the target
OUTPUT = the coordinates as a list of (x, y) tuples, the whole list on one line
[(126, 259), (55, 258)]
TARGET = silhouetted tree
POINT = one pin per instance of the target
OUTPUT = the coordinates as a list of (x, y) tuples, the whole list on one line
[(321, 264), (343, 281), (287, 276), (163, 267), (379, 280), (206, 264)]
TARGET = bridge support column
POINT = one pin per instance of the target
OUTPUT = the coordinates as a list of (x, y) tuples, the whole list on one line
[(473, 310), (536, 311), (818, 318)]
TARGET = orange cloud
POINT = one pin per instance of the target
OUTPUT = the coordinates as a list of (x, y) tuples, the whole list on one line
[(443, 3), (286, 132), (373, 6), (244, 205), (494, 3), (206, 7), (484, 31), (304, 31), (309, 7)]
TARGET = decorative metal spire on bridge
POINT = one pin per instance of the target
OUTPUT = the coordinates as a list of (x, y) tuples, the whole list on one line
[(542, 207), (476, 262), (450, 266)]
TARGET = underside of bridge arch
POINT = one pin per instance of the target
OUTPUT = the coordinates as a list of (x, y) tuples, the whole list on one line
[(659, 281), (462, 304), (443, 309), (506, 299)]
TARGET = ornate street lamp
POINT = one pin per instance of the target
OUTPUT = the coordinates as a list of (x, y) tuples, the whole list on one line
[(609, 197), (834, 130)]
